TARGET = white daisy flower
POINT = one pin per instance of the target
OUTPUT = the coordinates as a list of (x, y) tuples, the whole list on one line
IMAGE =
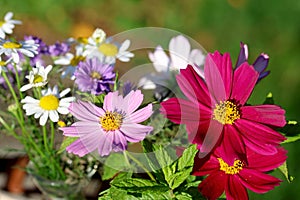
[(49, 105), (3, 65), (9, 48), (108, 52), (97, 37), (71, 61), (7, 26), (37, 77)]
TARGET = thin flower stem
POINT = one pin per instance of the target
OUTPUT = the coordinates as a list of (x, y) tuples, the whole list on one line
[(126, 159), (8, 128), (141, 165), (18, 81), (52, 134), (45, 139)]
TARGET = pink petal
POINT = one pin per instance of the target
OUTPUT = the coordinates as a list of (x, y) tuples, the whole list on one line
[(120, 143), (259, 138), (213, 186), (266, 163), (266, 114), (81, 128), (105, 145), (85, 111), (257, 181), (193, 86), (135, 132), (232, 147), (244, 80), (214, 80), (109, 100), (132, 101), (139, 115), (234, 189), (225, 68), (213, 135), (77, 148)]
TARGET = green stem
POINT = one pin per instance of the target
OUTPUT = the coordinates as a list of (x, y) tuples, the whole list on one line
[(52, 134), (18, 81), (45, 139), (140, 164)]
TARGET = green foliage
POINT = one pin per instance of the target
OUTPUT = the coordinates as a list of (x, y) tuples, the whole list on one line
[(284, 170), (66, 142), (291, 131), (113, 165)]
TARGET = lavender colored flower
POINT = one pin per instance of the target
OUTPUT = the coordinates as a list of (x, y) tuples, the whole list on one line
[(128, 86), (93, 76), (59, 49), (42, 50), (260, 64), (108, 128)]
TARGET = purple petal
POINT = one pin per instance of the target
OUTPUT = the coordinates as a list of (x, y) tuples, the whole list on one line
[(243, 55), (135, 132), (132, 101), (139, 115), (77, 148), (261, 63)]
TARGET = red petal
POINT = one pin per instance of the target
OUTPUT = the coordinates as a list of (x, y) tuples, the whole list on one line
[(257, 181), (213, 78), (193, 86), (205, 166), (244, 80), (232, 147), (225, 68), (265, 114), (264, 162), (235, 190), (213, 186), (258, 137)]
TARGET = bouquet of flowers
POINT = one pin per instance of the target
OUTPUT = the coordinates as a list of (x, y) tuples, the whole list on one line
[(182, 131)]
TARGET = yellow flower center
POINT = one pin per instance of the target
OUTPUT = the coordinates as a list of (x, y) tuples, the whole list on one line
[(96, 75), (1, 23), (61, 123), (83, 40), (235, 169), (226, 112), (108, 49), (38, 79), (76, 60), (12, 45), (49, 102), (2, 63), (111, 121)]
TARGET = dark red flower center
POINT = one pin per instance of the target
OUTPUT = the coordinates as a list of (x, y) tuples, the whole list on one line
[(226, 112)]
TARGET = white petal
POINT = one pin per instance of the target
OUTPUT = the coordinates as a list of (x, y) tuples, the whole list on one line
[(63, 110), (26, 87), (124, 45), (43, 118), (179, 48), (53, 115), (64, 92)]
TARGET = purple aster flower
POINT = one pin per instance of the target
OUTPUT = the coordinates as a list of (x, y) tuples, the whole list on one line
[(108, 128), (59, 49), (42, 50), (128, 86), (260, 64), (93, 76)]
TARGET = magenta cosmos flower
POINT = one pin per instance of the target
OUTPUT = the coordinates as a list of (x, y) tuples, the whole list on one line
[(234, 176), (216, 112), (109, 128)]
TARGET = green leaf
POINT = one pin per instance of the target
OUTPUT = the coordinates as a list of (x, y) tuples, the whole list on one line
[(138, 185), (65, 143), (291, 131), (112, 165), (284, 170), (184, 196), (269, 99)]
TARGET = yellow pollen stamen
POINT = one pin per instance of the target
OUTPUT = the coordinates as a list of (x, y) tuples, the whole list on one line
[(226, 112), (108, 49), (38, 79), (111, 121), (76, 60), (2, 63), (235, 169), (49, 102), (12, 45), (96, 75), (61, 123)]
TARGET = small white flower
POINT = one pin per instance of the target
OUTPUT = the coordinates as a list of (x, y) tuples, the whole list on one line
[(7, 26), (108, 52), (9, 48), (49, 105), (37, 77), (3, 65), (97, 37), (71, 61)]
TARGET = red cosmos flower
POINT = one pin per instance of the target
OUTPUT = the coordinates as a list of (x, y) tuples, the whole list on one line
[(215, 111), (235, 176)]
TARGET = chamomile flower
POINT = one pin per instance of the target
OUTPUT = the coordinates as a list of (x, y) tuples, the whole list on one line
[(108, 51), (49, 105), (3, 65), (71, 61), (97, 37), (7, 26), (10, 48), (37, 77)]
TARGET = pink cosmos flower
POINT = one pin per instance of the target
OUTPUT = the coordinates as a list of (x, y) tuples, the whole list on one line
[(109, 128), (216, 112), (234, 176)]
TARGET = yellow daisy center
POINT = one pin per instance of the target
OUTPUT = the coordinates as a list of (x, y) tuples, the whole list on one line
[(49, 102), (226, 112), (76, 60), (1, 23), (83, 40), (38, 79), (12, 45), (235, 169), (2, 63), (108, 49), (111, 121), (96, 75)]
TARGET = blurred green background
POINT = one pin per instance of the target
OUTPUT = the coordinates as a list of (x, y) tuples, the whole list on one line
[(269, 26)]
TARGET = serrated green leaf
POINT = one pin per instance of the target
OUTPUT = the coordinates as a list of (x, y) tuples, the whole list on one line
[(112, 165), (65, 143), (284, 170), (187, 158), (154, 196), (138, 185), (184, 196)]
